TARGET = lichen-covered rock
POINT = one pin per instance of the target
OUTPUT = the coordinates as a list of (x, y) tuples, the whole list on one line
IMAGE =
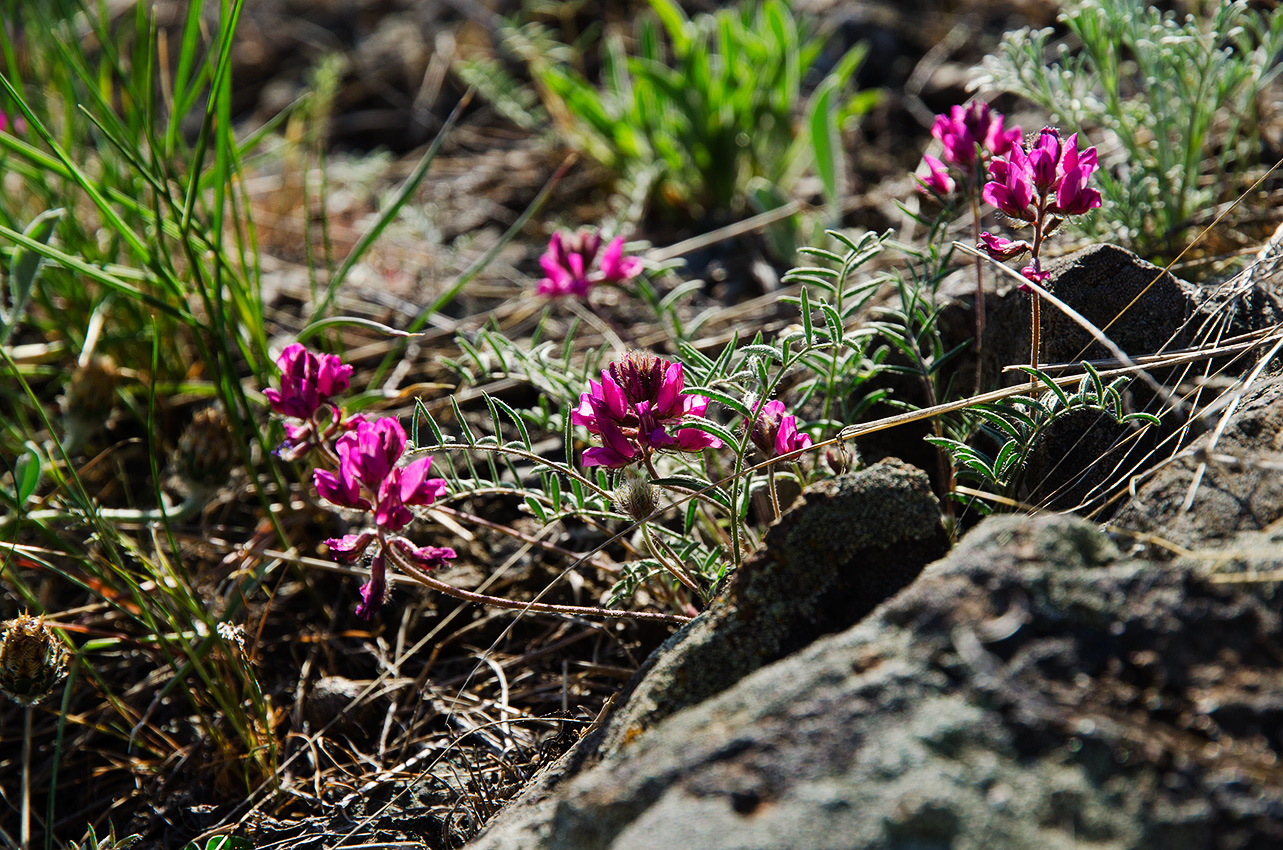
[(854, 541), (1240, 488), (851, 543), (1082, 459), (1031, 690)]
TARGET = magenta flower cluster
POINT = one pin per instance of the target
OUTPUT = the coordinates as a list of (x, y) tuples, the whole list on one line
[(638, 407), (968, 134), (308, 382), (775, 432), (572, 266), (369, 479), (1041, 186)]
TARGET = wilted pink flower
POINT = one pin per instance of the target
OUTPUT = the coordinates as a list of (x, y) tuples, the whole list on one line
[(568, 264), (368, 478), (1002, 249), (424, 557), (937, 178), (775, 432), (637, 407)]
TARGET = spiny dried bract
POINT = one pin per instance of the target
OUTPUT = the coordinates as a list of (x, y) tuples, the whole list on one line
[(32, 659), (206, 450)]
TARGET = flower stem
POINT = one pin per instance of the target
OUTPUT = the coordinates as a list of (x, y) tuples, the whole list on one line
[(1034, 346), (980, 290), (535, 607), (662, 554)]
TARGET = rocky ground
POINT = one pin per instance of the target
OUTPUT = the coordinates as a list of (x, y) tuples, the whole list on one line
[(1047, 683), (1106, 677)]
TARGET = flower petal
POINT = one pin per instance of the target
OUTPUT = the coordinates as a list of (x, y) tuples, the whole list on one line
[(375, 591), (349, 548)]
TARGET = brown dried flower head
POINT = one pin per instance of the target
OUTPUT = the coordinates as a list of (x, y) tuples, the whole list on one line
[(206, 450), (91, 390), (32, 659)]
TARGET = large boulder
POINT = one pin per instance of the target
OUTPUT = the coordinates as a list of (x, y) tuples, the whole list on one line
[(1084, 459), (1034, 689), (851, 543)]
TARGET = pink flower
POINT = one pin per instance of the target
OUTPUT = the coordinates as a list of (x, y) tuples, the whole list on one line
[(1044, 159), (424, 557), (568, 264), (307, 381), (937, 179), (615, 267), (370, 452), (1035, 274), (1002, 249), (369, 479), (968, 129), (776, 432), (341, 488), (375, 591), (1012, 187), (406, 485), (637, 407), (368, 458), (349, 548), (1075, 170)]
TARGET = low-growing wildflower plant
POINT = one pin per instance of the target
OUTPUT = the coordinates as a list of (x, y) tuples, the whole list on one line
[(369, 479), (637, 408), (575, 263), (971, 137), (1042, 187)]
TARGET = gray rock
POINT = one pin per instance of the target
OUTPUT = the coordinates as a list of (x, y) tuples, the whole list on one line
[(1141, 308), (1239, 488), (852, 542), (1031, 690), (1144, 311)]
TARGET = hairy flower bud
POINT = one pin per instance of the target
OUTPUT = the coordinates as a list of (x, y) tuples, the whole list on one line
[(635, 498), (32, 659)]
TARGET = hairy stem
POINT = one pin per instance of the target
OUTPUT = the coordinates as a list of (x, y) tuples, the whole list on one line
[(427, 580)]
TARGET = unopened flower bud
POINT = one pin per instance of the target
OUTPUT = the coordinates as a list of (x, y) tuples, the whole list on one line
[(635, 498), (839, 458), (32, 659)]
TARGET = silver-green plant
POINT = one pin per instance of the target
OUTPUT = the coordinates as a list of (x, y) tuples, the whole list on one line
[(1176, 103)]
